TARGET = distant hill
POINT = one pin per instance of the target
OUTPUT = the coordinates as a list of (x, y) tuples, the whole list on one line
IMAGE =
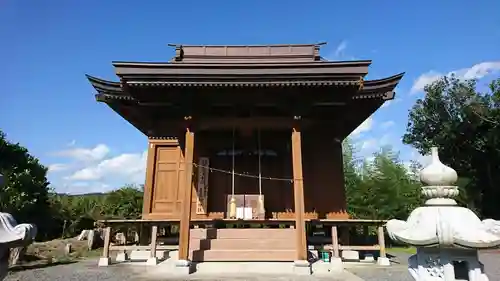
[(81, 195)]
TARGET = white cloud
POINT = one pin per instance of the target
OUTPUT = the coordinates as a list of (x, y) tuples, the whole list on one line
[(387, 124), (390, 102), (97, 153), (84, 187), (386, 103), (364, 127), (368, 144), (477, 71), (126, 168), (58, 167), (339, 51), (71, 143)]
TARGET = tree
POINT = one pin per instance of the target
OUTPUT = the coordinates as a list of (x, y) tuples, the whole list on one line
[(382, 188), (465, 125), (25, 190), (124, 203)]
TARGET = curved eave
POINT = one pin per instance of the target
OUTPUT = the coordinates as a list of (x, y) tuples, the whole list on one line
[(105, 86), (380, 88)]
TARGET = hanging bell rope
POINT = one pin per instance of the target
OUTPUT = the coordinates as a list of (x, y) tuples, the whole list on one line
[(260, 206), (232, 204)]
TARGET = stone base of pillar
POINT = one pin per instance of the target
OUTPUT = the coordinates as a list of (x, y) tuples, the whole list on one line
[(336, 265), (302, 267), (121, 257), (152, 261), (383, 261), (368, 258), (183, 267), (104, 262)]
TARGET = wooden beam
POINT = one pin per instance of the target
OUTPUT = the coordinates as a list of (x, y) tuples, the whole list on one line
[(251, 122), (298, 191), (186, 199), (148, 186)]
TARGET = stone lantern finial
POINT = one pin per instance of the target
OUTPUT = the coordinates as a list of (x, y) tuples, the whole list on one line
[(439, 181)]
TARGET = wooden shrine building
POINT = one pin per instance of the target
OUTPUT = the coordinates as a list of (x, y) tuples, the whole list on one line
[(245, 132)]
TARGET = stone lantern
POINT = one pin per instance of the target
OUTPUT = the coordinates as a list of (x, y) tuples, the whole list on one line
[(12, 235), (447, 237)]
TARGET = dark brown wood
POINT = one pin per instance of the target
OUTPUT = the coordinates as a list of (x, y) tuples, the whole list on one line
[(246, 89), (187, 191)]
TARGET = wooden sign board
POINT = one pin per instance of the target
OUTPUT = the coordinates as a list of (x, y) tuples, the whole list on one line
[(247, 204), (202, 185)]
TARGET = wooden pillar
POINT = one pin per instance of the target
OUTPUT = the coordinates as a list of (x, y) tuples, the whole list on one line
[(107, 241), (148, 186), (381, 241), (298, 191), (154, 236), (335, 242), (187, 192)]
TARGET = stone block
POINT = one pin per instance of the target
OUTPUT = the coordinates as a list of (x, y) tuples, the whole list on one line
[(183, 267), (152, 261), (145, 255), (348, 255), (383, 261), (368, 258), (302, 267), (104, 262), (121, 257), (336, 265)]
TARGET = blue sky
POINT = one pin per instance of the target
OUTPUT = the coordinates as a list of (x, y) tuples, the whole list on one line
[(48, 106)]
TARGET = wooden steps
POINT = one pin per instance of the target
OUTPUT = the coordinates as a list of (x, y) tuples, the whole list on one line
[(244, 244), (243, 255)]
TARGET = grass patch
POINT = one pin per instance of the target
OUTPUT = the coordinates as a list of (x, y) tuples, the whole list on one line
[(407, 250), (51, 253)]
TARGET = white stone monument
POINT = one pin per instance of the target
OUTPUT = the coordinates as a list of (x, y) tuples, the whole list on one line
[(12, 235), (447, 237)]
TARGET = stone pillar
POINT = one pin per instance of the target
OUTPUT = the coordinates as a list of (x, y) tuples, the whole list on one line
[(447, 236)]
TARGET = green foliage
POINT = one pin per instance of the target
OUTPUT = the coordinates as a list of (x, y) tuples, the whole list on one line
[(25, 190), (465, 124), (382, 188)]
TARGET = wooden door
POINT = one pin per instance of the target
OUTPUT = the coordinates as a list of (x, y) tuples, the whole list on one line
[(168, 180)]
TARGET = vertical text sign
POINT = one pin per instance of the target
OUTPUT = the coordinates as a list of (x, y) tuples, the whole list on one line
[(202, 188)]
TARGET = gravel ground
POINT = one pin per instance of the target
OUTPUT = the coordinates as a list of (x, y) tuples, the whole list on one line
[(89, 271), (399, 270)]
